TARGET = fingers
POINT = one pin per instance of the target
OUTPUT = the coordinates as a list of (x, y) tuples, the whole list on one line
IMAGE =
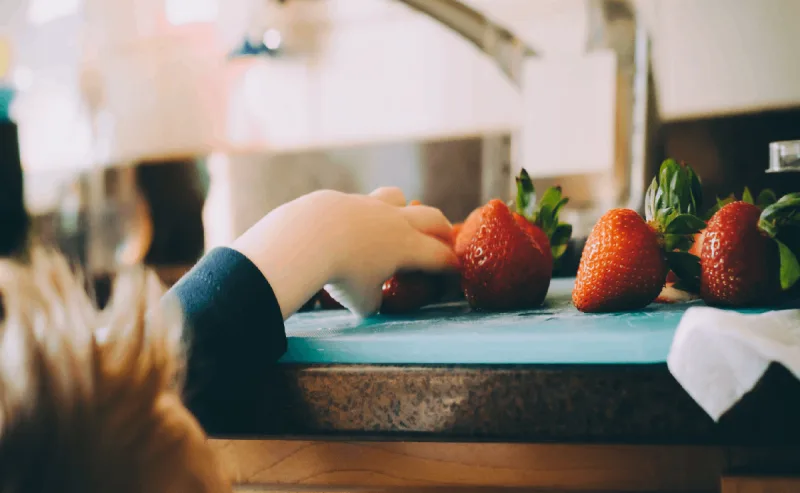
[(390, 195), (427, 253), (429, 220)]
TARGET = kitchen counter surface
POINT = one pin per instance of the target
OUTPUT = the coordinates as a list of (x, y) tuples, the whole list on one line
[(626, 404), (400, 379)]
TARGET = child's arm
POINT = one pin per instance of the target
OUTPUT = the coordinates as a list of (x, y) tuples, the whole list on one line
[(233, 331), (235, 299)]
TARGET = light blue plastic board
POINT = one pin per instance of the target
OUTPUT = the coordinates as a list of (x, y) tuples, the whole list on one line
[(452, 334)]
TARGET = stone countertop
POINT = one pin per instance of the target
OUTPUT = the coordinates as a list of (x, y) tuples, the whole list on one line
[(624, 404), (546, 375)]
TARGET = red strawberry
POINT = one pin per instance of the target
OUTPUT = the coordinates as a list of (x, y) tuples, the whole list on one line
[(622, 267), (542, 219), (746, 257), (503, 267), (765, 198), (740, 264), (538, 235), (626, 259), (409, 291)]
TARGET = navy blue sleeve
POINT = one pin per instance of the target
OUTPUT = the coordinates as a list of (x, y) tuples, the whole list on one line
[(233, 332)]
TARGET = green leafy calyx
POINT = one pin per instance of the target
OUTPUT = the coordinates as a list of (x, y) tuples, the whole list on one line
[(765, 199), (671, 208), (781, 222), (545, 213), (676, 191), (687, 269)]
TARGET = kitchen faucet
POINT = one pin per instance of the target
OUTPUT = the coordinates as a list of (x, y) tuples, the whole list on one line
[(503, 47), (612, 30), (497, 42), (494, 40)]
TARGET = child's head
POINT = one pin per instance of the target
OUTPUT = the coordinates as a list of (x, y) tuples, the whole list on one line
[(89, 400)]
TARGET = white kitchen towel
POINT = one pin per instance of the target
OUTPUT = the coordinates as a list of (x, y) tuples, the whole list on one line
[(718, 355)]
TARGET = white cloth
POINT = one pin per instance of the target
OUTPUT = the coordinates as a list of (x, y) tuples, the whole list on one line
[(718, 356)]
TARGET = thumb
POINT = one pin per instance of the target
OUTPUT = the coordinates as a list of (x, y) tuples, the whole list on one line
[(427, 253)]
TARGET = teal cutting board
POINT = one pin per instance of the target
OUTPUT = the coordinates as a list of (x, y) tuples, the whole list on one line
[(451, 334)]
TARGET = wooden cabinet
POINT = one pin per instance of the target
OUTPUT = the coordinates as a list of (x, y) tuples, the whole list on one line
[(318, 466)]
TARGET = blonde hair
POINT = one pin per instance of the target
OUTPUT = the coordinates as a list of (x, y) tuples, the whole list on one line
[(89, 399)]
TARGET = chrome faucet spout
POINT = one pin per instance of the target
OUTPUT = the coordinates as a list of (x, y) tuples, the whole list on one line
[(497, 42), (502, 46)]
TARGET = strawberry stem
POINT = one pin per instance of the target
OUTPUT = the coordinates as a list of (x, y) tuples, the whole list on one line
[(526, 195), (747, 197), (675, 190), (545, 213), (765, 199), (671, 206)]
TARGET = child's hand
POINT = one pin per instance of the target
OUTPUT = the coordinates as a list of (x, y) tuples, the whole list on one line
[(353, 243)]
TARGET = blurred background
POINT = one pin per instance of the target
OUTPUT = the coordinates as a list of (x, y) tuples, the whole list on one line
[(152, 130)]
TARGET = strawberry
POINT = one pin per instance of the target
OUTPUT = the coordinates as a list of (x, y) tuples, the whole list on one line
[(739, 264), (535, 232), (623, 266), (765, 198), (626, 259), (551, 235), (504, 268), (748, 255), (409, 291), (403, 293)]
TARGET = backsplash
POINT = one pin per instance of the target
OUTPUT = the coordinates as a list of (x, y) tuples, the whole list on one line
[(729, 153), (445, 174), (732, 152)]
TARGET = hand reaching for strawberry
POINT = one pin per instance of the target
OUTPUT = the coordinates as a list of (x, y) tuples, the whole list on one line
[(361, 244), (356, 243)]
